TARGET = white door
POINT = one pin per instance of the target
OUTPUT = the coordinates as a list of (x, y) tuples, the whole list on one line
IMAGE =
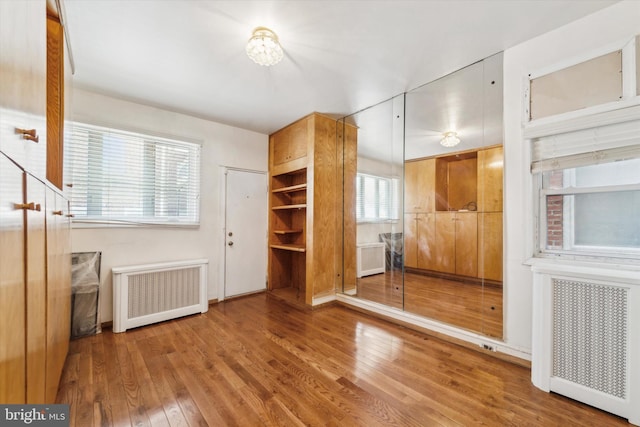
[(245, 232)]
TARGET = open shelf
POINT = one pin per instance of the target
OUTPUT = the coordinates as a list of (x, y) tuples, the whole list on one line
[(292, 248), (287, 231), (299, 206), (290, 189)]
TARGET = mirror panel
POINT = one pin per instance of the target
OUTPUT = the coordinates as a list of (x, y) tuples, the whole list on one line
[(377, 191), (453, 194), (428, 234)]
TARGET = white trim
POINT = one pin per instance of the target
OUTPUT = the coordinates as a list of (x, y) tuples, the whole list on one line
[(435, 326), (624, 273), (222, 172), (587, 118), (629, 70), (323, 300), (588, 190), (579, 59)]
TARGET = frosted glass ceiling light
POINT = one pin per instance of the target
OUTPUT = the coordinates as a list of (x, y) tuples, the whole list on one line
[(263, 47), (450, 139)]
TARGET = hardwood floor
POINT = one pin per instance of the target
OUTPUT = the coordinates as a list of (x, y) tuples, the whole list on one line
[(257, 361), (466, 305)]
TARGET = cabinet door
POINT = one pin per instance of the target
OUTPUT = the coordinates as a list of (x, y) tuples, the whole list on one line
[(58, 289), (426, 240), (490, 246), (23, 82), (36, 291), (490, 180), (290, 143), (445, 259), (410, 241), (466, 243), (419, 186), (12, 284)]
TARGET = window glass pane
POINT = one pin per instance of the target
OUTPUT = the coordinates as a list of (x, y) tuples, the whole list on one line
[(624, 172), (377, 198), (132, 178), (599, 218), (601, 222), (608, 219)]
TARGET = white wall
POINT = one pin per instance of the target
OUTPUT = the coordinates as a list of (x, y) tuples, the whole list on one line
[(221, 146), (579, 39)]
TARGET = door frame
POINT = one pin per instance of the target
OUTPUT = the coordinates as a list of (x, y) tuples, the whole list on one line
[(222, 263)]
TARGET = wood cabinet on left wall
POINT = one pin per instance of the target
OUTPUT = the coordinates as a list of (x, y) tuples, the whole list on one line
[(35, 254)]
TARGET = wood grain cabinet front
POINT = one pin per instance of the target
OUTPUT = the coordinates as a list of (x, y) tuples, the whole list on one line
[(35, 252), (12, 284), (23, 64), (420, 186), (304, 208), (453, 214), (289, 146), (58, 288)]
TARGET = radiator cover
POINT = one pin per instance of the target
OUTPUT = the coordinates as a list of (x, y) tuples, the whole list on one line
[(146, 294), (370, 259), (586, 334), (590, 336)]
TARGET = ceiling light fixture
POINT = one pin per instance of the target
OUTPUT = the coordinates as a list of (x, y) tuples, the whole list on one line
[(264, 48), (450, 139)]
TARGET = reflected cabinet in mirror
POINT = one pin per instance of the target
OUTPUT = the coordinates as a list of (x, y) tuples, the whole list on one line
[(428, 197)]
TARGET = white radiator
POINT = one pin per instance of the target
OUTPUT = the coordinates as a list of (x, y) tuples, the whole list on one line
[(145, 294), (370, 259), (586, 336)]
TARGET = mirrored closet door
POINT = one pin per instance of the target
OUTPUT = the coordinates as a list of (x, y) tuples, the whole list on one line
[(427, 196)]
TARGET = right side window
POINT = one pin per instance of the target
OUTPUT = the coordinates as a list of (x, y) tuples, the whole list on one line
[(591, 208)]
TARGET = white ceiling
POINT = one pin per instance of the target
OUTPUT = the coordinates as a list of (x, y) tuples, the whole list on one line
[(340, 56)]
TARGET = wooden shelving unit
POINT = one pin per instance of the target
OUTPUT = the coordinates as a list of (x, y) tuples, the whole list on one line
[(291, 189), (292, 248), (287, 231), (299, 206), (305, 242)]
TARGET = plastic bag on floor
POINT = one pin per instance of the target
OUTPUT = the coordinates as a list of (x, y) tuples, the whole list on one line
[(85, 287)]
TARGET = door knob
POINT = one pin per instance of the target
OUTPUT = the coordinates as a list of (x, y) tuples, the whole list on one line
[(230, 243)]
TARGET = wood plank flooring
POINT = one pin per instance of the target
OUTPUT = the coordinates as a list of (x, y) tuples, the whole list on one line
[(257, 361), (466, 305)]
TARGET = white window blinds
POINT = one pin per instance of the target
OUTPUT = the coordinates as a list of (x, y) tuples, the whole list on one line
[(376, 198), (131, 178), (601, 144)]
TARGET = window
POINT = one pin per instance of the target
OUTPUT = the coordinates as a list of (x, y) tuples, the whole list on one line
[(376, 198), (589, 200), (129, 178)]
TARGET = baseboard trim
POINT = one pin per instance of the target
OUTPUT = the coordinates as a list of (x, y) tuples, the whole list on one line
[(440, 330)]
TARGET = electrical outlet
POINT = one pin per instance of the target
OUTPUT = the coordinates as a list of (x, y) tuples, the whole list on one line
[(488, 347)]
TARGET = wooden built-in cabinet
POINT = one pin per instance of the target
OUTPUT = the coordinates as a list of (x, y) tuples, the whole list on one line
[(35, 253), (420, 178), (58, 311), (453, 214), (13, 308), (304, 189)]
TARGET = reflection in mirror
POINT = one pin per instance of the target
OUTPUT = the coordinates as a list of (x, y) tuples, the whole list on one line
[(424, 185), (453, 199), (377, 194)]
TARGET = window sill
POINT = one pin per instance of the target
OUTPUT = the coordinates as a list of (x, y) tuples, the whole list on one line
[(380, 221), (120, 224), (624, 267)]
